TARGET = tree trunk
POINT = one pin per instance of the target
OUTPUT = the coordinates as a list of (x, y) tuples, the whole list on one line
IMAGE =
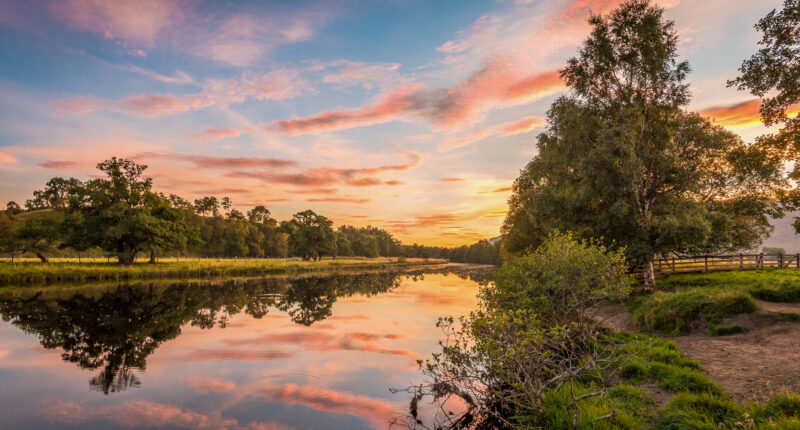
[(152, 256), (649, 277), (41, 257)]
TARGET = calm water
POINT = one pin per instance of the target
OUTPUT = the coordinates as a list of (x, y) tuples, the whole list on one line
[(307, 353)]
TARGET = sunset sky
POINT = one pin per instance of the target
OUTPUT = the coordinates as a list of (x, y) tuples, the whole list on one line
[(411, 115)]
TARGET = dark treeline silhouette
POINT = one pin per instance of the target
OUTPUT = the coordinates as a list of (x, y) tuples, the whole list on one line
[(121, 216), (115, 329)]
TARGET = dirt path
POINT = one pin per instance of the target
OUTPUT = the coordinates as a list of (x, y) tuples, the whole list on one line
[(751, 365)]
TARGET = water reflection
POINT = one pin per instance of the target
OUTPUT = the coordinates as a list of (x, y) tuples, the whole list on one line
[(315, 351), (117, 328)]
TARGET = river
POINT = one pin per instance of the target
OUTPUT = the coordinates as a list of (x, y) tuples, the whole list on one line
[(312, 352)]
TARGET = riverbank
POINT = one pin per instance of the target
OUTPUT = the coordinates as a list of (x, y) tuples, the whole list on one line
[(729, 323), (30, 272)]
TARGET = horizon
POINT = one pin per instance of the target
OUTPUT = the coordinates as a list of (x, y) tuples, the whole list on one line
[(410, 116)]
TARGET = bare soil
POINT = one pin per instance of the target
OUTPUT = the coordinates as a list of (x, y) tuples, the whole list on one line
[(752, 365)]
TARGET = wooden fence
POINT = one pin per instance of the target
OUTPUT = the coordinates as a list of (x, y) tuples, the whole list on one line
[(716, 263)]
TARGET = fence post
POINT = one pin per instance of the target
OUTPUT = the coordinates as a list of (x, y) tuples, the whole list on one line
[(760, 261), (706, 263), (741, 261), (673, 264), (780, 261), (797, 260)]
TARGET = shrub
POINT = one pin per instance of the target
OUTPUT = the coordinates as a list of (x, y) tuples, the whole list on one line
[(561, 279), (530, 335)]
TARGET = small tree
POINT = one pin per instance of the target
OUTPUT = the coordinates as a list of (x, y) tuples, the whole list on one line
[(531, 334), (38, 233)]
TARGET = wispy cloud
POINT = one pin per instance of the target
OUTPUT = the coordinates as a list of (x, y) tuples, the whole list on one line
[(215, 133), (509, 128), (275, 85), (497, 84)]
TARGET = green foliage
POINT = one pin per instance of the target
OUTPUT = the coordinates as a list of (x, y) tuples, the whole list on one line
[(561, 279), (633, 405), (781, 293), (621, 160), (531, 337), (771, 74), (676, 312), (689, 411), (28, 272), (313, 236), (725, 330)]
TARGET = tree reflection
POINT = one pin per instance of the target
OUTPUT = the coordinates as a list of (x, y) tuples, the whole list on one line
[(115, 329)]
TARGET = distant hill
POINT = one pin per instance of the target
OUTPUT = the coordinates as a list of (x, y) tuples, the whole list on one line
[(784, 235), (496, 239)]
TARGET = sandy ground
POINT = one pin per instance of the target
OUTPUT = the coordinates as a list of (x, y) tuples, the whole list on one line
[(752, 365)]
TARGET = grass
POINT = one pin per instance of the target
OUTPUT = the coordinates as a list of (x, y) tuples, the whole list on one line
[(696, 402), (675, 312), (30, 272), (688, 300), (779, 285), (725, 330)]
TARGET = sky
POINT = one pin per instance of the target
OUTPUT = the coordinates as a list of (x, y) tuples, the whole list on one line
[(411, 115)]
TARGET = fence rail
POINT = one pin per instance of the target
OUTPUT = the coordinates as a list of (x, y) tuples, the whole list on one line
[(716, 263)]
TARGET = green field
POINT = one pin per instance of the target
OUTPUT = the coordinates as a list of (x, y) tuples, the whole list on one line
[(30, 271)]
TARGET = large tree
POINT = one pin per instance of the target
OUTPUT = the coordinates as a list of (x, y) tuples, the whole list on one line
[(621, 160), (313, 236), (773, 74), (123, 216)]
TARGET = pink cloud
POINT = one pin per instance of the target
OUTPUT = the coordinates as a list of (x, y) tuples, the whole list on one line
[(276, 85), (339, 200), (497, 84), (7, 159), (378, 411), (215, 133), (742, 114), (326, 176), (214, 162), (210, 385), (145, 105), (387, 108), (453, 46), (356, 73), (132, 23), (504, 129), (57, 164), (143, 413)]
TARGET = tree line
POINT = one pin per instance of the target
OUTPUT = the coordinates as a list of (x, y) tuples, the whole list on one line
[(120, 215)]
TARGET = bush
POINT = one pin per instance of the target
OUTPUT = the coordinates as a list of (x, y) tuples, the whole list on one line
[(529, 335), (561, 279), (675, 313), (724, 330)]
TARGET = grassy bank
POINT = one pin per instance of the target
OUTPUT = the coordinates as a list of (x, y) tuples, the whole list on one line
[(687, 301), (30, 272), (659, 388)]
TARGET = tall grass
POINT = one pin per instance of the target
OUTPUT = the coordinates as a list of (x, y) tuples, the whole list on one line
[(30, 272)]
